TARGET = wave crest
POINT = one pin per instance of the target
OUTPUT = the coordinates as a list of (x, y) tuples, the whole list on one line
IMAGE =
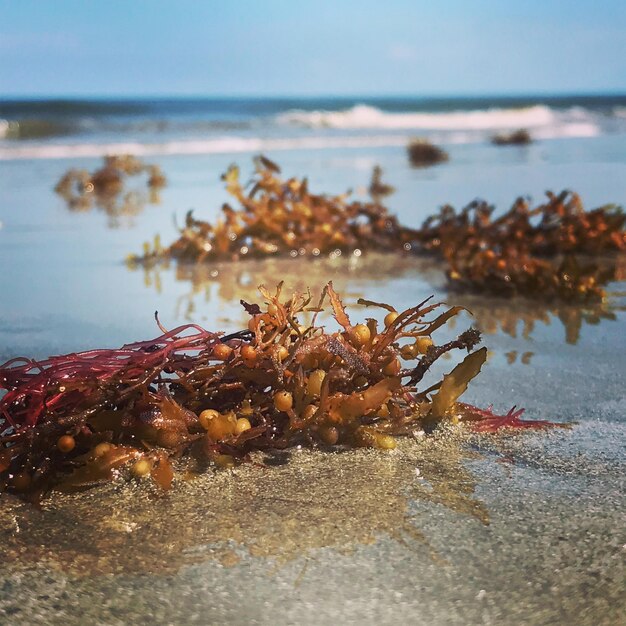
[(364, 116)]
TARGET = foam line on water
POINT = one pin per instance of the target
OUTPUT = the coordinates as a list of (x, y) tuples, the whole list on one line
[(188, 147), (236, 145)]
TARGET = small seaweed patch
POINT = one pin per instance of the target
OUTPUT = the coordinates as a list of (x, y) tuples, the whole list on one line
[(520, 137), (422, 153), (77, 420), (550, 251), (106, 186)]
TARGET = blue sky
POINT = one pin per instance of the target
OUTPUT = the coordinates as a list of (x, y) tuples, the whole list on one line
[(290, 47)]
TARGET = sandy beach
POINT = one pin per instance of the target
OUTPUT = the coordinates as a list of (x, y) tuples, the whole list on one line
[(456, 529)]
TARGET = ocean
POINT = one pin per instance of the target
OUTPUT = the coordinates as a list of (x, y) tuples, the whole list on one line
[(31, 129)]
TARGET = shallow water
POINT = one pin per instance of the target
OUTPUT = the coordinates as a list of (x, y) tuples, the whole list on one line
[(354, 538)]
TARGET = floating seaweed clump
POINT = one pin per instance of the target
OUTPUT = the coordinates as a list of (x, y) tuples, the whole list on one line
[(520, 137), (422, 153), (528, 251), (559, 226), (476, 270), (377, 188), (81, 189), (73, 421), (283, 218)]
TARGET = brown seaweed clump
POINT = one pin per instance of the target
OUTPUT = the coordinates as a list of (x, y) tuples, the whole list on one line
[(105, 187), (520, 137), (422, 153), (378, 189), (529, 251), (283, 218), (475, 270), (559, 226), (73, 421)]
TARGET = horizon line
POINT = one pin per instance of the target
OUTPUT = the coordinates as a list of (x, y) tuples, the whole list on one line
[(320, 96)]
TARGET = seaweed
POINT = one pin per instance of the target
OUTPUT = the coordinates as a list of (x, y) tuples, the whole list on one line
[(535, 252), (485, 420), (539, 252), (569, 281), (422, 153), (377, 188), (77, 420), (520, 137), (559, 226), (283, 218), (222, 285), (106, 187)]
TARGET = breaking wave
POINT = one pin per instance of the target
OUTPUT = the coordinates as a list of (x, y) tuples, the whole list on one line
[(364, 117)]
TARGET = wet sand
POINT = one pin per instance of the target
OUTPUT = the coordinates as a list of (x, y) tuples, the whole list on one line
[(445, 530)]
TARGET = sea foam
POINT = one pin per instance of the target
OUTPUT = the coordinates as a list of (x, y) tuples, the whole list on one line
[(224, 145), (363, 116)]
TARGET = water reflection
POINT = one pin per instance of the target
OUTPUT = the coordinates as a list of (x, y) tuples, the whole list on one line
[(524, 357), (517, 318), (276, 508), (227, 283), (108, 189)]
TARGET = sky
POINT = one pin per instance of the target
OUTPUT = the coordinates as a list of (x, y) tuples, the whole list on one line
[(302, 48)]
